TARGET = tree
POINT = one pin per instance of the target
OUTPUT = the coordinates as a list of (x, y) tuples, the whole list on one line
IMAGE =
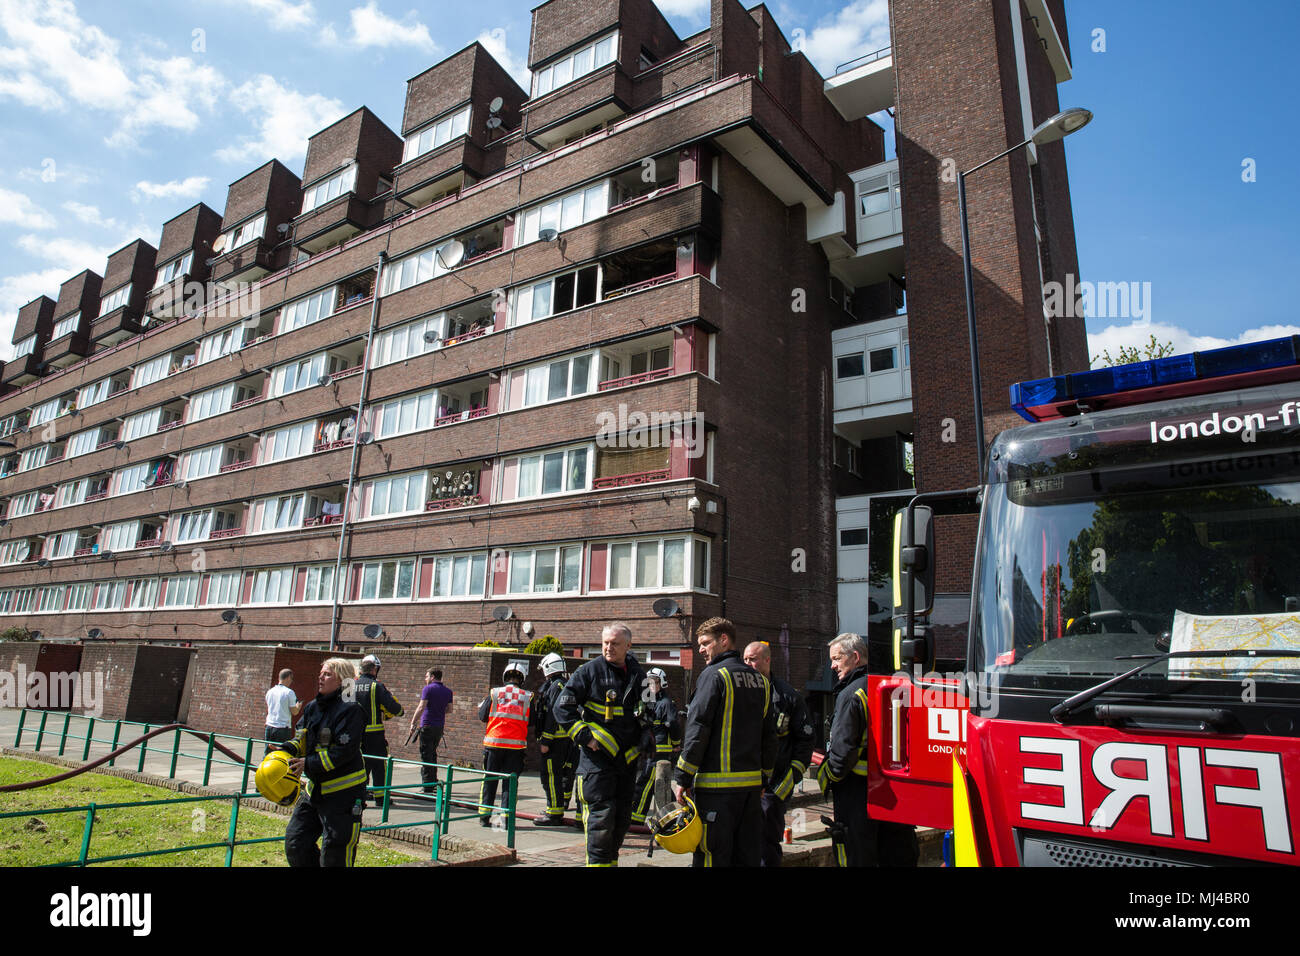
[(15, 633), (1129, 354), (544, 645)]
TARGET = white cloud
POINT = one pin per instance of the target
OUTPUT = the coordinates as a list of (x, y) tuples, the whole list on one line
[(187, 188), (285, 14), (285, 119), (695, 9), (494, 41), (50, 171), (372, 27), (18, 209), (165, 96), (90, 215), (1138, 334), (856, 30), (70, 255), (16, 291)]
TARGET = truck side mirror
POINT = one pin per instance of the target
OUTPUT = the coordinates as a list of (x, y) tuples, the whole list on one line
[(916, 650), (915, 562)]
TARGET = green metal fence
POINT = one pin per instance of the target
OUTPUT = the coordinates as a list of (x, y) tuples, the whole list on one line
[(445, 795)]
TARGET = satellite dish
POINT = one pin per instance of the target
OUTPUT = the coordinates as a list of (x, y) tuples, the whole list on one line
[(665, 607), (452, 254), (230, 616), (547, 235), (432, 337), (373, 631), (324, 380), (4, 522), (220, 242), (105, 555), (496, 104), (282, 228), (502, 612), (119, 444), (95, 634), (365, 438), (182, 484), (494, 122), (36, 635), (43, 563), (165, 547)]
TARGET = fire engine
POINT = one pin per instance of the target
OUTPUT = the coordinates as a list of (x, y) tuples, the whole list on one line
[(1130, 693)]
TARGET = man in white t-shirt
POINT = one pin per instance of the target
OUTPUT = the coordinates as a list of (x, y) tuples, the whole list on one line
[(281, 707)]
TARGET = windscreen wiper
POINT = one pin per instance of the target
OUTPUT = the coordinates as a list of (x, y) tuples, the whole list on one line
[(1071, 704)]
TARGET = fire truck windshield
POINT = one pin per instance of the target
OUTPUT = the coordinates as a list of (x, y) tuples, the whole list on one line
[(1077, 568)]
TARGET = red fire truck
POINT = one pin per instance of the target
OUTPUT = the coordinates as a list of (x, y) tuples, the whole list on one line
[(1130, 693)]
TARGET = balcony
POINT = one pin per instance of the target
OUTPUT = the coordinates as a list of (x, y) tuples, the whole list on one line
[(23, 370), (236, 466), (227, 533), (578, 106), (248, 263), (637, 478), (320, 520), (878, 210), (863, 86), (873, 379), (336, 432), (97, 497), (457, 501), (454, 417)]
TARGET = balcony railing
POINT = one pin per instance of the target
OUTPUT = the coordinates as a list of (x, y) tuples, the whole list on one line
[(457, 501), (228, 533), (466, 336), (634, 379), (635, 200), (332, 445), (461, 416), (355, 370), (97, 497), (106, 444), (148, 542), (322, 520), (636, 478), (235, 466), (170, 425), (53, 458), (246, 402), (82, 552), (643, 284)]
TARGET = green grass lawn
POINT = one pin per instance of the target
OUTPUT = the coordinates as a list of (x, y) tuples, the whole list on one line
[(56, 837)]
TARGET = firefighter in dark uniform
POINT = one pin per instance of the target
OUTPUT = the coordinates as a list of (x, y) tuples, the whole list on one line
[(729, 750), (327, 752), (555, 746), (660, 713), (794, 747), (378, 705), (597, 709), (858, 840)]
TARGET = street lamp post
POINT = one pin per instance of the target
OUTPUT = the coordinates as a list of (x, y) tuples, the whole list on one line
[(1049, 131)]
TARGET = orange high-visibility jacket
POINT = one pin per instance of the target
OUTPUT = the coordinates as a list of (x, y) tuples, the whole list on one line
[(507, 718)]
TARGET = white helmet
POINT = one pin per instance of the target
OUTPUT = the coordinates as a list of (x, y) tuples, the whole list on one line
[(657, 673), (552, 663)]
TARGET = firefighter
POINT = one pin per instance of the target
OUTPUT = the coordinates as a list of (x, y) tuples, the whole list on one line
[(505, 711), (554, 744), (729, 750), (378, 705), (597, 709), (327, 752), (794, 746), (660, 713)]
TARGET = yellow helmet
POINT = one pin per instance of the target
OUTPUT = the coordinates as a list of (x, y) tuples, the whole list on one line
[(276, 781), (678, 829)]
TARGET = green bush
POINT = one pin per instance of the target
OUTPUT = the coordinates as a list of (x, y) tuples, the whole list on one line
[(15, 633), (544, 645), (487, 644)]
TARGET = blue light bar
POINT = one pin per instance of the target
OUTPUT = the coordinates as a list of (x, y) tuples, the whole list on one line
[(1043, 398)]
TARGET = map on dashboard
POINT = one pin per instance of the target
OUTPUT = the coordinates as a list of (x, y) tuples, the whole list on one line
[(1260, 632)]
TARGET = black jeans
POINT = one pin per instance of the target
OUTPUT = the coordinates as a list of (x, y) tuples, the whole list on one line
[(278, 734), (498, 760), (430, 737)]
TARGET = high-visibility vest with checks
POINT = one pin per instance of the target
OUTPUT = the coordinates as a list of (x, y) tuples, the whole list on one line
[(508, 719)]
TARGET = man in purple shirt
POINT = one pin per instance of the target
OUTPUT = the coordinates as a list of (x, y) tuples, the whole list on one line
[(432, 715)]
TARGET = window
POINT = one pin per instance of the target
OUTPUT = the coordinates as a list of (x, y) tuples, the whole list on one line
[(412, 270), (33, 457), (23, 600), (853, 537), (51, 598), (119, 537), (46, 411), (175, 268), (66, 326), (438, 133), (141, 594), (557, 380), (192, 526), (109, 595), (72, 493), (320, 584), (79, 596), (271, 586), (657, 563), (565, 212), (399, 495), (203, 462), (572, 290), (577, 64), (549, 473), (244, 233), (546, 570), (15, 552), (151, 371), (212, 402), (304, 373), (140, 424), (327, 189), (223, 588), (182, 590), (387, 580), (412, 413), (114, 300), (459, 575), (280, 513), (61, 545), (305, 311), (23, 504), (221, 342), (849, 366), (130, 479), (96, 392), (288, 442), (83, 442), (882, 360), (405, 341), (26, 347)]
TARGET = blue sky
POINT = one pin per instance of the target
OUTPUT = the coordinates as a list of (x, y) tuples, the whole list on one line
[(120, 115)]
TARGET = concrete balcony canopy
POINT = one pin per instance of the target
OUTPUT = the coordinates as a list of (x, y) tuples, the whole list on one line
[(873, 379), (864, 85), (127, 281), (183, 254), (251, 243), (349, 164), (878, 210)]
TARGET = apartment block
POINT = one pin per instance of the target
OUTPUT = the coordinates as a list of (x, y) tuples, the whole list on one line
[(633, 344)]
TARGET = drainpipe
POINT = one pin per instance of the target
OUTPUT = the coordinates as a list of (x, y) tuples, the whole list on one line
[(356, 452)]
